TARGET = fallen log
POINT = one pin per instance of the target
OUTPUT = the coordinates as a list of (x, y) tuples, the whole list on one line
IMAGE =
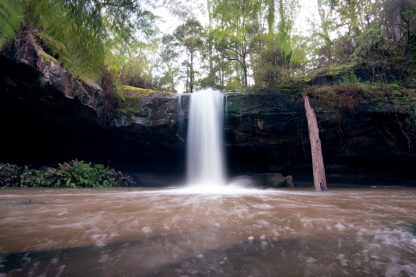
[(319, 177)]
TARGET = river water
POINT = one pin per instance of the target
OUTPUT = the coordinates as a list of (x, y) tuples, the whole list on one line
[(345, 232)]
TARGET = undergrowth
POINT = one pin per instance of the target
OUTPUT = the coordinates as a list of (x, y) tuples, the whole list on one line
[(73, 174)]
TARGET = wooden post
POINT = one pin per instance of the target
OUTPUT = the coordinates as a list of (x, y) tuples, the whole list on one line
[(319, 178)]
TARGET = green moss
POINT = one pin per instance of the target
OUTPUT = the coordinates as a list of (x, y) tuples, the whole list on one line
[(130, 92), (57, 47), (130, 97), (46, 57), (333, 71), (373, 96)]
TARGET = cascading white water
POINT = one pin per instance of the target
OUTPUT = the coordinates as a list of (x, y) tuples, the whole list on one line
[(205, 149)]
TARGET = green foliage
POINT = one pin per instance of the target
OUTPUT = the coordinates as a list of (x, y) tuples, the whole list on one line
[(136, 72), (235, 37), (278, 58), (82, 34), (11, 17), (350, 79), (168, 63), (272, 65), (271, 15), (9, 175), (35, 178), (74, 174), (244, 39), (85, 175), (188, 35), (374, 50)]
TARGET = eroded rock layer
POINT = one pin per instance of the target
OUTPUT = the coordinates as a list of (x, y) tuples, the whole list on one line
[(49, 116)]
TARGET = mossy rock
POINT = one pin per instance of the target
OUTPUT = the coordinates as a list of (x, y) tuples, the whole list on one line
[(48, 58), (131, 98), (130, 92), (372, 96)]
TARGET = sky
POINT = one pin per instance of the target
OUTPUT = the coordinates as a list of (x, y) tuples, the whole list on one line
[(173, 13)]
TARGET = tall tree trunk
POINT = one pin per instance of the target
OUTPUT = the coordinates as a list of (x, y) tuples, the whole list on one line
[(222, 78), (244, 66), (325, 28), (172, 81), (210, 46), (271, 13), (191, 73), (245, 75), (353, 16), (397, 32), (319, 178), (187, 79), (282, 14)]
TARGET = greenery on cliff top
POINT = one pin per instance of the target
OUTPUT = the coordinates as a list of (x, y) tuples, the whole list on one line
[(87, 36), (243, 43), (74, 174)]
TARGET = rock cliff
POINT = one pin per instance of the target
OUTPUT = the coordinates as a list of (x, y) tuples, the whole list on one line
[(48, 116)]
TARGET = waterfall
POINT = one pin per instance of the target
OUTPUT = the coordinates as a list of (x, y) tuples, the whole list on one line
[(205, 148)]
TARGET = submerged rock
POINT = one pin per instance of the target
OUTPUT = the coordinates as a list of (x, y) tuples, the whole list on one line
[(276, 180)]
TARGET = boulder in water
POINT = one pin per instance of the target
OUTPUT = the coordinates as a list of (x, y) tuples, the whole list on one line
[(276, 180)]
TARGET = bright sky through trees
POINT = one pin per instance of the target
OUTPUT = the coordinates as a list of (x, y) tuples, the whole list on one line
[(179, 45), (171, 15)]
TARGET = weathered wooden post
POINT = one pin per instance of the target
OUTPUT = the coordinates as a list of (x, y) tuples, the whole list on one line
[(319, 178)]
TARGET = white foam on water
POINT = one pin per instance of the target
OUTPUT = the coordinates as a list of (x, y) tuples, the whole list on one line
[(340, 227), (147, 230), (342, 259), (214, 189)]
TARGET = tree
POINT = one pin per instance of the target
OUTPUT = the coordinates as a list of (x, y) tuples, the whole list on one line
[(189, 36), (210, 44), (237, 28), (326, 27), (168, 62), (401, 20), (271, 15), (137, 72), (279, 52), (319, 177)]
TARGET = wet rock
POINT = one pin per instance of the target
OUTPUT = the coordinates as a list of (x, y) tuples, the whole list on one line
[(275, 180), (289, 181), (28, 71)]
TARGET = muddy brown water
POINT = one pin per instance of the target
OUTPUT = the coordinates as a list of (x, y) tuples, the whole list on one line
[(344, 232)]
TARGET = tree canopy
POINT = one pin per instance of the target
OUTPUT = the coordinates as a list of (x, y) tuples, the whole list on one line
[(245, 42)]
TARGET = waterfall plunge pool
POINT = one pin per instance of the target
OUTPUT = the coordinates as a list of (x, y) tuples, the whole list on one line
[(355, 232)]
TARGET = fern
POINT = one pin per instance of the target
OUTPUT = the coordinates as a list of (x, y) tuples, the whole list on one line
[(11, 18), (79, 50), (81, 34)]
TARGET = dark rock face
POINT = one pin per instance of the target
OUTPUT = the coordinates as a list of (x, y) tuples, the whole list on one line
[(275, 180), (25, 64), (48, 116), (268, 133)]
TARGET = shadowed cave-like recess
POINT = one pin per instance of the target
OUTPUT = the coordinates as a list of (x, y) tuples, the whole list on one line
[(47, 116)]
